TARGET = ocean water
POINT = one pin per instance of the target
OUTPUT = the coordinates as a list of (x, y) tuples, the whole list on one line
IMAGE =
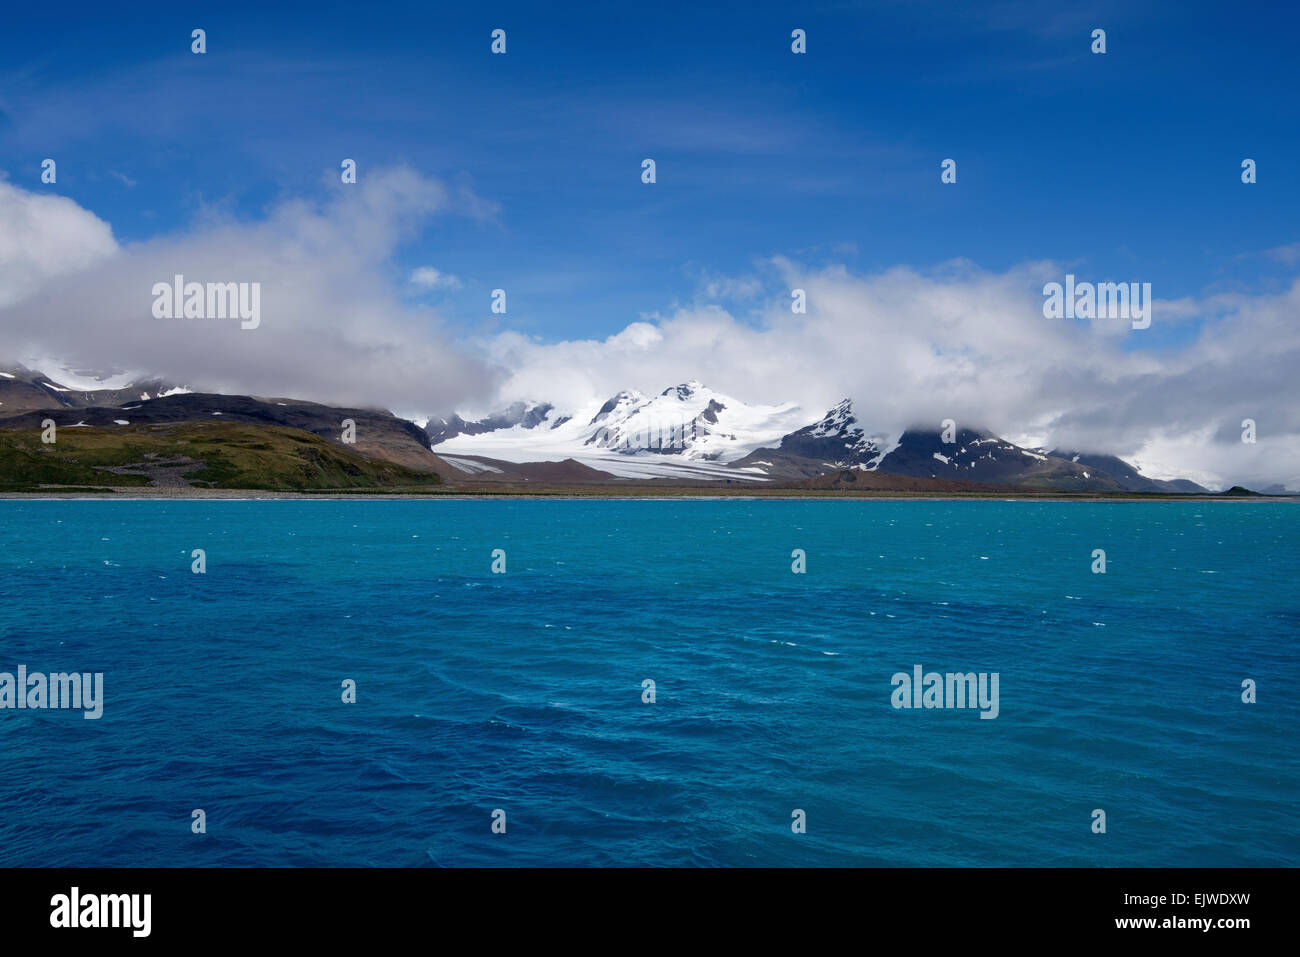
[(523, 691)]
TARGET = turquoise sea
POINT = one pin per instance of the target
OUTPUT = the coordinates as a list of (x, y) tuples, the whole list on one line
[(523, 691)]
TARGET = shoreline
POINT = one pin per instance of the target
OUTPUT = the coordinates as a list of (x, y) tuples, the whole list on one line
[(648, 495)]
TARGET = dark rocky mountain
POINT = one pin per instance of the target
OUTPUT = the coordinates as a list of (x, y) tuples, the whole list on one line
[(837, 438), (980, 456), (838, 442), (837, 445), (23, 389), (1129, 478), (520, 413), (29, 398)]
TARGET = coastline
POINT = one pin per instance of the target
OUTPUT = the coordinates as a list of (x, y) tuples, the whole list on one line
[(640, 493)]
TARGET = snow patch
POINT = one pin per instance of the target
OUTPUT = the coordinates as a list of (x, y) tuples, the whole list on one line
[(470, 466), (686, 431)]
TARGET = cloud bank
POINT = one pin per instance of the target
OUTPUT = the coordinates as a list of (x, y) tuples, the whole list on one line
[(334, 327), (911, 347)]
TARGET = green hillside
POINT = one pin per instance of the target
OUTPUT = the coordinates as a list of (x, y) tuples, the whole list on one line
[(231, 455)]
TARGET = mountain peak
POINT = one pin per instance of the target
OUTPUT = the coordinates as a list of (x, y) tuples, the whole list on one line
[(837, 421), (685, 390), (687, 430), (626, 399)]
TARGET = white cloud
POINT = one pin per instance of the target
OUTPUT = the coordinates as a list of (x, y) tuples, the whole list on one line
[(332, 327), (1288, 255), (914, 348), (722, 288), (911, 347), (430, 278), (43, 236)]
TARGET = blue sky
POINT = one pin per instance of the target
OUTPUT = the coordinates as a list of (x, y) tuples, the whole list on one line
[(1126, 166)]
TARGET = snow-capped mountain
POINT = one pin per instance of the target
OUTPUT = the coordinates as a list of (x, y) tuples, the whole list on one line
[(686, 431), (840, 442), (23, 389), (977, 455), (837, 441), (690, 431), (520, 413)]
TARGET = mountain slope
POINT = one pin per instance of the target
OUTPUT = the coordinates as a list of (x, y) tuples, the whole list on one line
[(1129, 478), (208, 454), (980, 456), (23, 389), (837, 441), (29, 398), (378, 434), (840, 442), (686, 431), (690, 432), (520, 414)]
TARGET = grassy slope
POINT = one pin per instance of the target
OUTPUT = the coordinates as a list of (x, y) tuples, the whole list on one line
[(225, 455)]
